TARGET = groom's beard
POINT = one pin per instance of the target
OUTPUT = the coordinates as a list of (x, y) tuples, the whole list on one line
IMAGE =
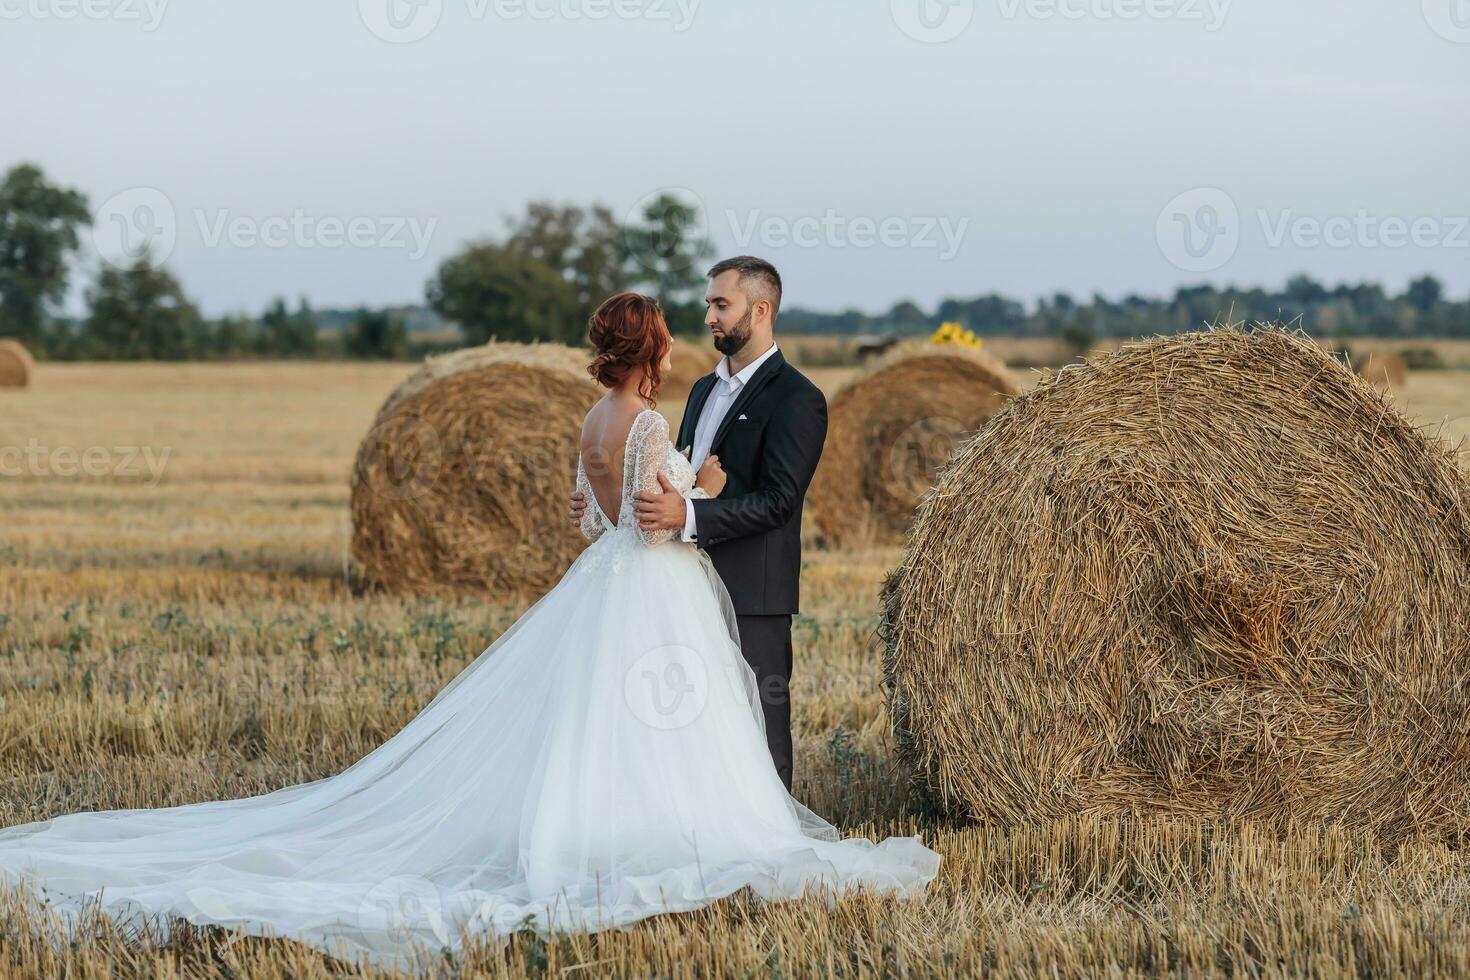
[(731, 341)]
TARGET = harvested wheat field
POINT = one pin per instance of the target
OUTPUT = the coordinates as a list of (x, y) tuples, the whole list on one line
[(179, 622), (1211, 574), (456, 485), (890, 428)]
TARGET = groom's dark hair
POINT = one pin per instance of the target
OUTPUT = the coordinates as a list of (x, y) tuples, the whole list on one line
[(758, 271)]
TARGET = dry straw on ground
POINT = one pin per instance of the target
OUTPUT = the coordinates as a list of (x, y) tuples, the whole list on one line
[(16, 366), (462, 482), (1384, 369), (1213, 574), (890, 428)]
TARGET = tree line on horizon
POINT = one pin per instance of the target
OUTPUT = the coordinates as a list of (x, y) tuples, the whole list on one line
[(544, 276), (1343, 311), (541, 280)]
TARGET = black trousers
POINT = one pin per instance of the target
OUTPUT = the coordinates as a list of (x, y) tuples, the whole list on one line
[(766, 643)]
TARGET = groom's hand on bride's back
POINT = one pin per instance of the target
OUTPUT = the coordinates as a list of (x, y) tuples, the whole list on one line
[(579, 506)]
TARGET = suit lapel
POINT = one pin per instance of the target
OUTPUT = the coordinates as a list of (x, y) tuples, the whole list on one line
[(759, 380), (697, 397)]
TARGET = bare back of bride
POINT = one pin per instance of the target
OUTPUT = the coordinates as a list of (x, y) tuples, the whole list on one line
[(602, 761)]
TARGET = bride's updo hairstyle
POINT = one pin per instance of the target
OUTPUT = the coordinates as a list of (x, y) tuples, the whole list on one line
[(629, 334)]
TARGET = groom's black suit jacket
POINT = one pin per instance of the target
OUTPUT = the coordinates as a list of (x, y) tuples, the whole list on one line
[(752, 530)]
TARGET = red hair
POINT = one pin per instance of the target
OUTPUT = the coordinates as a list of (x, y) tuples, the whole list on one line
[(629, 334)]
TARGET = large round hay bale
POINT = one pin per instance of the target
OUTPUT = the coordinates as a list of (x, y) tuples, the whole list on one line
[(1212, 574), (692, 360), (16, 366), (890, 428), (1384, 368), (461, 485)]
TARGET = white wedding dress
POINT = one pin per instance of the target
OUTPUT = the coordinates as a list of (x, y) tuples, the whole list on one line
[(601, 762)]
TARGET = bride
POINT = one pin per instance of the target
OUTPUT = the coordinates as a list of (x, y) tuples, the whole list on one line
[(601, 762)]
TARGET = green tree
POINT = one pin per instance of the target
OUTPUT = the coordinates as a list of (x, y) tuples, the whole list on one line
[(375, 334), (287, 334), (1424, 293), (141, 312), (38, 231), (584, 245), (907, 318), (1302, 291), (231, 335), (1079, 337), (666, 252), (498, 291)]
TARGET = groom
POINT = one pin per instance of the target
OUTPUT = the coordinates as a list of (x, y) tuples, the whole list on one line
[(766, 422)]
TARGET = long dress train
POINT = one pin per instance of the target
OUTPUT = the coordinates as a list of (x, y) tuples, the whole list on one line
[(602, 761)]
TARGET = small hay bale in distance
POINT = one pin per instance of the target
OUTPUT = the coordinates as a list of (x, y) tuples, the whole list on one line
[(461, 484), (16, 366), (1210, 574), (889, 430), (1384, 369)]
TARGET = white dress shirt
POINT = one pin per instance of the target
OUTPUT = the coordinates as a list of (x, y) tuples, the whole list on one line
[(719, 401)]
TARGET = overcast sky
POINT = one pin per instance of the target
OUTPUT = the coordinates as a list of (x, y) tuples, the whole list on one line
[(874, 150)]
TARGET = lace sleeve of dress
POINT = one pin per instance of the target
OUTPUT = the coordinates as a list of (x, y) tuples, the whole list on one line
[(650, 453), (591, 526)]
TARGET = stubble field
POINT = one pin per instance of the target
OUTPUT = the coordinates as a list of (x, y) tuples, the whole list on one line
[(177, 624)]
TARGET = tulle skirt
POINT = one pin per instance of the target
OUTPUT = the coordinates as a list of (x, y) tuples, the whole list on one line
[(601, 762)]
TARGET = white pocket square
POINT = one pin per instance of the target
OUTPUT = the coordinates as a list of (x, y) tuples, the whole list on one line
[(742, 417)]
